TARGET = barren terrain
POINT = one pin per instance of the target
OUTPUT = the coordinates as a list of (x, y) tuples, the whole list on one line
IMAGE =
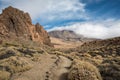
[(59, 43)]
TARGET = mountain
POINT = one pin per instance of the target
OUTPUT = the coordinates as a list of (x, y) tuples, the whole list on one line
[(68, 35), (16, 24), (65, 39)]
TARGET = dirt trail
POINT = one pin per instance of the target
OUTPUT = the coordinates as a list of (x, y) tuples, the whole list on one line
[(61, 71), (50, 67)]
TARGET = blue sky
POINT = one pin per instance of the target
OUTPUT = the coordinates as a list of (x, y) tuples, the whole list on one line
[(104, 9), (91, 18)]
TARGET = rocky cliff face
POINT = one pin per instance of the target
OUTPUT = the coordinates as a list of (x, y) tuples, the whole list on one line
[(17, 24)]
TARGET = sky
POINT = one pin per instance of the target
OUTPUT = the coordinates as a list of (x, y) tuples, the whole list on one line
[(90, 18)]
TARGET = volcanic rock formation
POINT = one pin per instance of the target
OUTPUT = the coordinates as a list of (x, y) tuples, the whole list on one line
[(15, 24)]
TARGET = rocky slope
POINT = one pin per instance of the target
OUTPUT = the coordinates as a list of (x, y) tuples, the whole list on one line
[(104, 54), (107, 46), (15, 24)]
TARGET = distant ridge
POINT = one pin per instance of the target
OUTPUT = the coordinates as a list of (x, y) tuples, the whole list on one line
[(68, 35)]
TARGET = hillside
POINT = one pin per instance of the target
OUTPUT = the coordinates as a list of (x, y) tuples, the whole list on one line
[(105, 54)]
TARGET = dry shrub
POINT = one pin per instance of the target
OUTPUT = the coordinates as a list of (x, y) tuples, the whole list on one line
[(4, 75), (15, 64), (8, 52), (110, 69), (10, 43), (81, 70), (36, 57)]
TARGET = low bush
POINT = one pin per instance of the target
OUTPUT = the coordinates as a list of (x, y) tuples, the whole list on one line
[(82, 70), (4, 75)]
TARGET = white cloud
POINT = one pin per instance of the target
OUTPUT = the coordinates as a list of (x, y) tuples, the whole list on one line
[(97, 29), (49, 10), (91, 1)]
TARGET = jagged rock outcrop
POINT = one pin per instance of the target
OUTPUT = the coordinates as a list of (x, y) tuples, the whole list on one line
[(15, 23)]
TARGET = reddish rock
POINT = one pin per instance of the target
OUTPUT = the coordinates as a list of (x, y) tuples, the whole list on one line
[(15, 23)]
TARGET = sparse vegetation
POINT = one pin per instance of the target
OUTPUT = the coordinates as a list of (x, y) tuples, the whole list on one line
[(110, 68), (15, 59), (90, 60), (81, 70), (15, 64), (103, 54)]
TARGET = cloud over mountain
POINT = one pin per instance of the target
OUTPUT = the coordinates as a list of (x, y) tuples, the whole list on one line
[(99, 29)]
